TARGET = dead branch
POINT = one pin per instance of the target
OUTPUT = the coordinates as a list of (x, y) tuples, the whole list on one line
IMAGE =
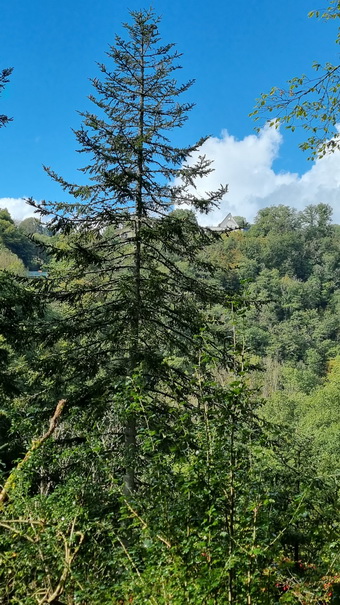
[(36, 444)]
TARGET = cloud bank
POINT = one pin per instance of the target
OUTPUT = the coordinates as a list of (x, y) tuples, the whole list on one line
[(247, 167), (17, 207)]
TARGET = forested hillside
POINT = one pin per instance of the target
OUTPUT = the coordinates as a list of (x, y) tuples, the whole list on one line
[(169, 395), (19, 248), (287, 266)]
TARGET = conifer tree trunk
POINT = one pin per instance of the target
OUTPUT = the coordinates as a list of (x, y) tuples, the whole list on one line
[(131, 421), (231, 511)]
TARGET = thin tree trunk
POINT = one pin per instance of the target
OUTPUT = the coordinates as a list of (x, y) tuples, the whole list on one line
[(231, 513), (231, 590), (296, 545), (131, 421)]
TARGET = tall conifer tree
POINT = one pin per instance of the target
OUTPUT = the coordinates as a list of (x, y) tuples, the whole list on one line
[(130, 303)]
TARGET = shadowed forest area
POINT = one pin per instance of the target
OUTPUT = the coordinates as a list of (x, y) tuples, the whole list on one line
[(169, 394)]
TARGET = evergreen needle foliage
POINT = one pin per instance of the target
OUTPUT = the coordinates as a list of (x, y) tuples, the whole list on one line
[(126, 300)]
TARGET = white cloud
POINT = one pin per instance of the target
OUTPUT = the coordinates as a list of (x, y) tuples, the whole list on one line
[(17, 207), (247, 167)]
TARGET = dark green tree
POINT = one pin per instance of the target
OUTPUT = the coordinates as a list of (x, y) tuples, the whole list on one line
[(278, 219), (31, 226), (127, 300), (242, 222)]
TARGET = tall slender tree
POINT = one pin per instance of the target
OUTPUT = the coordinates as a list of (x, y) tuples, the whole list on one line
[(130, 305)]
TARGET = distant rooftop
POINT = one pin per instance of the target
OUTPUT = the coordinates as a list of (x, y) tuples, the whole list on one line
[(227, 224)]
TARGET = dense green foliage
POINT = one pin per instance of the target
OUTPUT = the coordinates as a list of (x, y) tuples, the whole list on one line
[(288, 262), (169, 415)]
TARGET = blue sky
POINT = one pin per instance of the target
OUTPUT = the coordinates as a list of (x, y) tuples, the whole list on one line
[(233, 50)]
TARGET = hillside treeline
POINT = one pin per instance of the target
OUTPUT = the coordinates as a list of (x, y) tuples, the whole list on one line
[(288, 263)]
